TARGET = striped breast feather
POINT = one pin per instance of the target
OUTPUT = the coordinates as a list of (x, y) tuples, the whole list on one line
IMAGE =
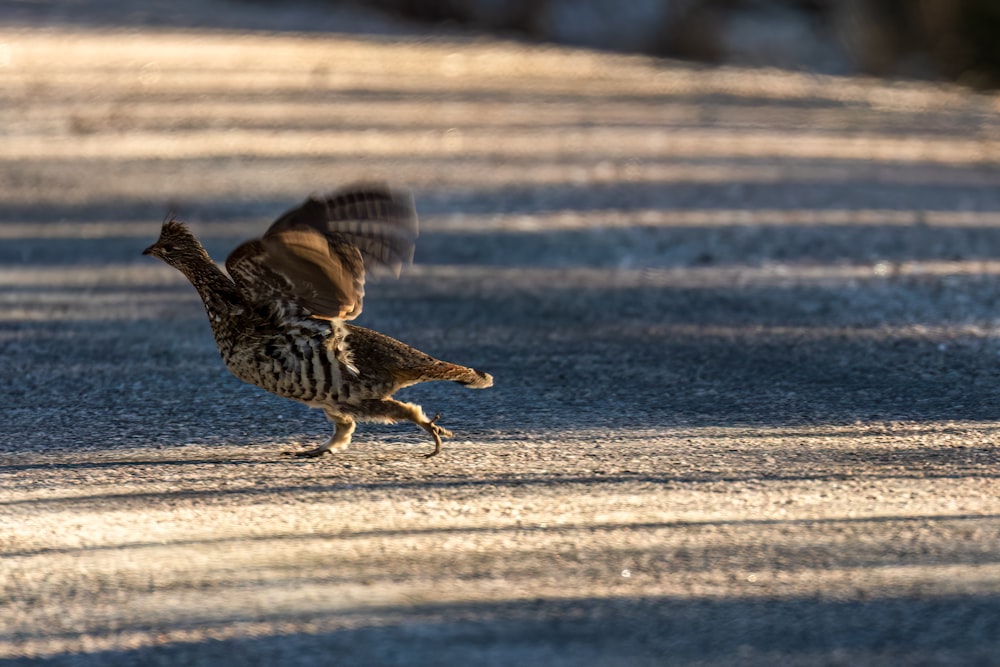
[(380, 222)]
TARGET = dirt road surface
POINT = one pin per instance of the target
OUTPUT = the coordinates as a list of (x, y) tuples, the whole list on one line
[(744, 328)]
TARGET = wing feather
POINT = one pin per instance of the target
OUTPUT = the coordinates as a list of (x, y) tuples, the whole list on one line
[(313, 258), (380, 222)]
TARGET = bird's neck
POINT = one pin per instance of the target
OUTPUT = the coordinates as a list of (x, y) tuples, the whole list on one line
[(216, 289)]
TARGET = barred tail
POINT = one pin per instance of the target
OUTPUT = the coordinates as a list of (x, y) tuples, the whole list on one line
[(468, 377)]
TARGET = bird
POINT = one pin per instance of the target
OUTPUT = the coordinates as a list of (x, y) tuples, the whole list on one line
[(281, 317)]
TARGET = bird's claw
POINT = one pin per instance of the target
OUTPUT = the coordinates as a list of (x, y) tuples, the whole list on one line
[(440, 430), (437, 432)]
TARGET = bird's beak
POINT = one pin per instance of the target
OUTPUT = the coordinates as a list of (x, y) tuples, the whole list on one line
[(148, 251)]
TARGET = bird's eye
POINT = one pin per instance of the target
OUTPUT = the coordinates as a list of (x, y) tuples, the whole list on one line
[(166, 249)]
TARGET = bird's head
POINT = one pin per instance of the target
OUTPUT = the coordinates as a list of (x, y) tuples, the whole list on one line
[(177, 246)]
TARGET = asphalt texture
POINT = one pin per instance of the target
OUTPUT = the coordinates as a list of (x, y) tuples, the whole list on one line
[(743, 325)]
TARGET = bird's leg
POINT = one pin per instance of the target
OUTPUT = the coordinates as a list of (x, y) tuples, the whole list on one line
[(392, 411), (339, 441)]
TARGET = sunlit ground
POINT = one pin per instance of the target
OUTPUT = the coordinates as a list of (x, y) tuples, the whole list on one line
[(743, 324)]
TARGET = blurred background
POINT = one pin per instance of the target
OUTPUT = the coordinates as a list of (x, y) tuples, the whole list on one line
[(925, 39), (951, 39)]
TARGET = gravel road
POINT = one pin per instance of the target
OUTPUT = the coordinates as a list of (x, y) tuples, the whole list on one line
[(743, 324)]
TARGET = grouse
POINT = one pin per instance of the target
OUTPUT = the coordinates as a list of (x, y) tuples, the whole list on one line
[(280, 319)]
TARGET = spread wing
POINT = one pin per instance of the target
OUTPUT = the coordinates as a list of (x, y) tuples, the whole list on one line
[(379, 222), (314, 257)]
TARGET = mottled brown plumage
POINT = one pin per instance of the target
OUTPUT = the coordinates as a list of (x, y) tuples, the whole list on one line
[(280, 320)]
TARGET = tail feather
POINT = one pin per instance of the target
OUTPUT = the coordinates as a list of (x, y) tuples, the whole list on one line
[(478, 379), (468, 377)]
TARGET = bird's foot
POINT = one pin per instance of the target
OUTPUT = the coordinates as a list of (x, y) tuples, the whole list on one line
[(314, 453), (437, 432)]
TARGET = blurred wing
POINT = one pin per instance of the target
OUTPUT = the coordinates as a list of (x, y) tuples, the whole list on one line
[(313, 258), (381, 223), (300, 270)]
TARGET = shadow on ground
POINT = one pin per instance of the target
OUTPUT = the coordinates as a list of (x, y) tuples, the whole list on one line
[(565, 356), (618, 631)]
